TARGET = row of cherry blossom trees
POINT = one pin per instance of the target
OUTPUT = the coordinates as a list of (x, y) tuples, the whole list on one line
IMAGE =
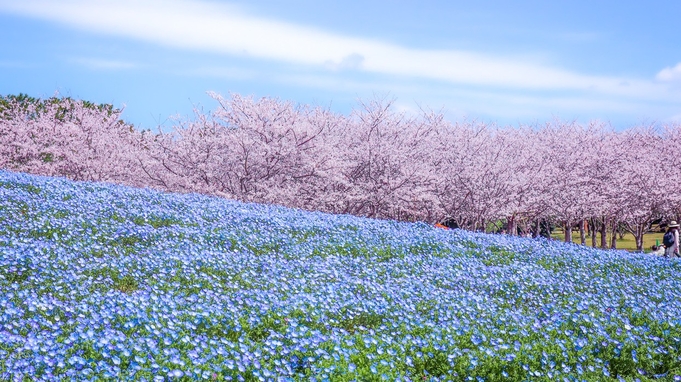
[(374, 162)]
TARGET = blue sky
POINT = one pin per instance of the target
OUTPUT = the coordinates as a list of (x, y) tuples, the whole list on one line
[(520, 62)]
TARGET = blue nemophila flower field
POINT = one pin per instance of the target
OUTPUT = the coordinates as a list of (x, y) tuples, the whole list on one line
[(107, 282)]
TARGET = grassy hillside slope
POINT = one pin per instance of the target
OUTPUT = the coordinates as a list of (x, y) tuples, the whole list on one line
[(103, 281)]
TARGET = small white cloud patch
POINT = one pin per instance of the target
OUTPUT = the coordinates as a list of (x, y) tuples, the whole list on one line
[(102, 64), (670, 74), (349, 62)]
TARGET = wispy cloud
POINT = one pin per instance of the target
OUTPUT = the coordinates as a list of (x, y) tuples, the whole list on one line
[(460, 101), (351, 62), (101, 64), (670, 74), (226, 29), (223, 72)]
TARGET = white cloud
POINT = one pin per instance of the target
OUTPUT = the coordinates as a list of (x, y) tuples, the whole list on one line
[(350, 62), (224, 29), (223, 72), (102, 64), (465, 101), (670, 74)]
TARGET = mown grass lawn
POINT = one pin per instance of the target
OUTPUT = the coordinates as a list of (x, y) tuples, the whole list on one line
[(102, 282), (627, 242)]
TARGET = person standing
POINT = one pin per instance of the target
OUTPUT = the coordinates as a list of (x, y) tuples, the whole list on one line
[(671, 240)]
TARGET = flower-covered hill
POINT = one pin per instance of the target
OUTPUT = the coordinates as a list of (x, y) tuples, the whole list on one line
[(102, 281)]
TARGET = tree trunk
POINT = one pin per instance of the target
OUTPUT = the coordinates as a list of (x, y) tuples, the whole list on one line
[(537, 231), (613, 239), (582, 231), (640, 231), (512, 226), (604, 231), (526, 230), (592, 228), (568, 232)]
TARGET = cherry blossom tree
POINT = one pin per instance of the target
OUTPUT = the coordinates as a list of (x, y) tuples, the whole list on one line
[(383, 161), (562, 144), (66, 137), (639, 191), (375, 162)]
